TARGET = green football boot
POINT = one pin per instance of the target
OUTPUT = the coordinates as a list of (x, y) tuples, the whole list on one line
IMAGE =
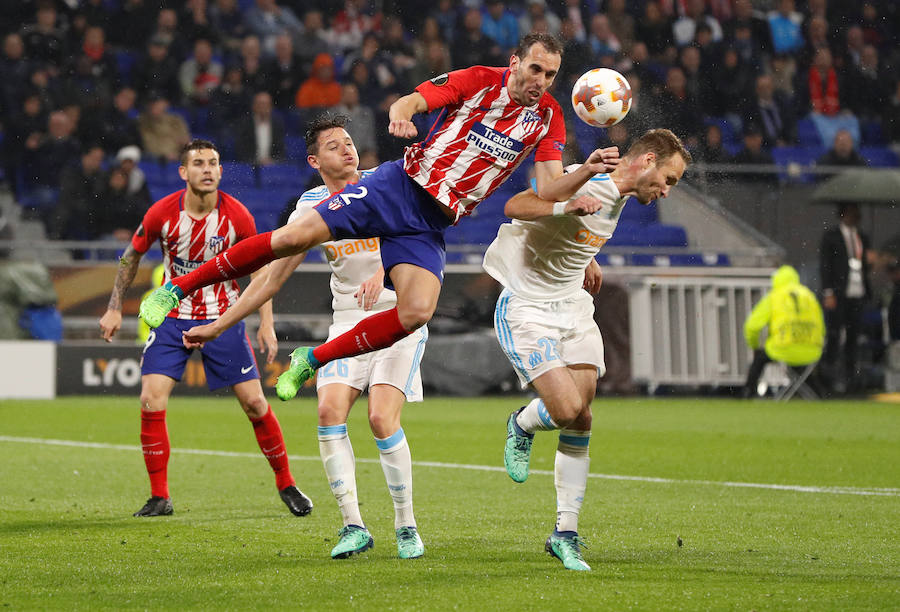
[(157, 305), (353, 540), (299, 372), (566, 546), (409, 544), (517, 452)]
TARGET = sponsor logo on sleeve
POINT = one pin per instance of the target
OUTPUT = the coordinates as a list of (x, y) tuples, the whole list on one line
[(440, 79)]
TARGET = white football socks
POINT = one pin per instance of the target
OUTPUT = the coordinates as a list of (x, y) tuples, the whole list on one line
[(397, 466), (534, 417), (570, 476), (340, 469)]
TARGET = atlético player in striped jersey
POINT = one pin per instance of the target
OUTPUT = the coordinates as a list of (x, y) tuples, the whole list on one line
[(490, 120), (192, 226)]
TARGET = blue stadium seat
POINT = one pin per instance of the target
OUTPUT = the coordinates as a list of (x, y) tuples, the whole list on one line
[(871, 133), (807, 134), (803, 155), (880, 157), (283, 175), (730, 136), (238, 174), (294, 147), (639, 213), (125, 61)]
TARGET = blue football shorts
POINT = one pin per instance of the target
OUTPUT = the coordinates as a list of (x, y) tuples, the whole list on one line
[(227, 360), (389, 205)]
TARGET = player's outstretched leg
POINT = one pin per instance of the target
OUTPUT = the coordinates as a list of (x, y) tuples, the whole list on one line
[(566, 546), (298, 503), (300, 370), (156, 506), (159, 303), (353, 540), (517, 452)]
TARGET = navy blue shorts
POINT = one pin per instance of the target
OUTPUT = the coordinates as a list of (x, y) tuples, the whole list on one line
[(227, 360), (391, 206)]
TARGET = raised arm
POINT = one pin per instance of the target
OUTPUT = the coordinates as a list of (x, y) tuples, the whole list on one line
[(401, 114), (260, 290), (555, 185), (111, 320), (527, 206)]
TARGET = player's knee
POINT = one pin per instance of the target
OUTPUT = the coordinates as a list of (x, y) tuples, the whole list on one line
[(153, 402), (414, 315), (383, 423), (329, 414), (565, 413), (255, 407)]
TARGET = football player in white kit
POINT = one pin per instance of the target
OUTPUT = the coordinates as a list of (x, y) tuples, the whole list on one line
[(544, 318), (391, 374)]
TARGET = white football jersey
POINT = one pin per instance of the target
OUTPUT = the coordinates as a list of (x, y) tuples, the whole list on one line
[(352, 262), (545, 259)]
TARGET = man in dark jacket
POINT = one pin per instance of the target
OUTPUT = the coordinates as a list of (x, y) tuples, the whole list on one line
[(845, 287)]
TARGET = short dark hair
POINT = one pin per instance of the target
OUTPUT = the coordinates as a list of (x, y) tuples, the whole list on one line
[(550, 42), (195, 145), (319, 125), (664, 143)]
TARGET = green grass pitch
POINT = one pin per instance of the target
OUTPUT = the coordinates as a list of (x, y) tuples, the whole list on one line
[(673, 514)]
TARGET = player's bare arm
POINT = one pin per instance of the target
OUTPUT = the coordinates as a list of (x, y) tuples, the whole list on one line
[(401, 114), (555, 185), (260, 290), (593, 277), (111, 320), (370, 290), (265, 334), (527, 206)]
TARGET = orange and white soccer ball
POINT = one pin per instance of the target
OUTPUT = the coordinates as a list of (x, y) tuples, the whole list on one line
[(601, 97)]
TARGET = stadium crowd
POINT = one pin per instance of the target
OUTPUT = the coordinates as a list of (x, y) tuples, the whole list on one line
[(90, 87)]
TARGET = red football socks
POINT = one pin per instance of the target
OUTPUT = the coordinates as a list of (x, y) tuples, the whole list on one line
[(271, 443), (248, 255), (372, 333), (155, 446)]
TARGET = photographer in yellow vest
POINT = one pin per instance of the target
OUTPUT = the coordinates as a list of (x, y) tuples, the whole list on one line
[(796, 333)]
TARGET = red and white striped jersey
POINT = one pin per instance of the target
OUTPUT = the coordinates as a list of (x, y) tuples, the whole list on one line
[(480, 137), (187, 242)]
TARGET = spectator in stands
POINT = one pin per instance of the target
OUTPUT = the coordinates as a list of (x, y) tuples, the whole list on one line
[(45, 154), (16, 71), (433, 61), (471, 47), (772, 111), (576, 57), (784, 76), (601, 39), (728, 87), (842, 152), (114, 126), (92, 72), (200, 74), (125, 197), (753, 154), (267, 20), (711, 149), (226, 18), (620, 21), (679, 109), (283, 73), (44, 42), (259, 138), (352, 23), (195, 23), (157, 72), (851, 54), (320, 90), (229, 102), (796, 325), (316, 40), (255, 77), (684, 28), (868, 86), (163, 133), (131, 24), (697, 84), (844, 274), (81, 186), (537, 10), (785, 28), (748, 32), (447, 18), (876, 29), (382, 77), (654, 29), (361, 119), (167, 30), (27, 123), (816, 38), (398, 51), (500, 25)]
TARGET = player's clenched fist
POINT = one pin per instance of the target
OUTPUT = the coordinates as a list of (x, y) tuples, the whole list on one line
[(584, 205)]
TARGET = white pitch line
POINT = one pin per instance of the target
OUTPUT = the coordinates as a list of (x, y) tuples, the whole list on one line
[(868, 491)]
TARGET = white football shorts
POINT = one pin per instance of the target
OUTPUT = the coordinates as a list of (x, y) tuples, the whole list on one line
[(396, 365), (538, 336)]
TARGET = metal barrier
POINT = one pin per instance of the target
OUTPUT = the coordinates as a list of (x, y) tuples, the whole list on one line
[(689, 330)]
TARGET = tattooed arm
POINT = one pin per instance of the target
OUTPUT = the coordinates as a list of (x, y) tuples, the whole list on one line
[(111, 320)]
